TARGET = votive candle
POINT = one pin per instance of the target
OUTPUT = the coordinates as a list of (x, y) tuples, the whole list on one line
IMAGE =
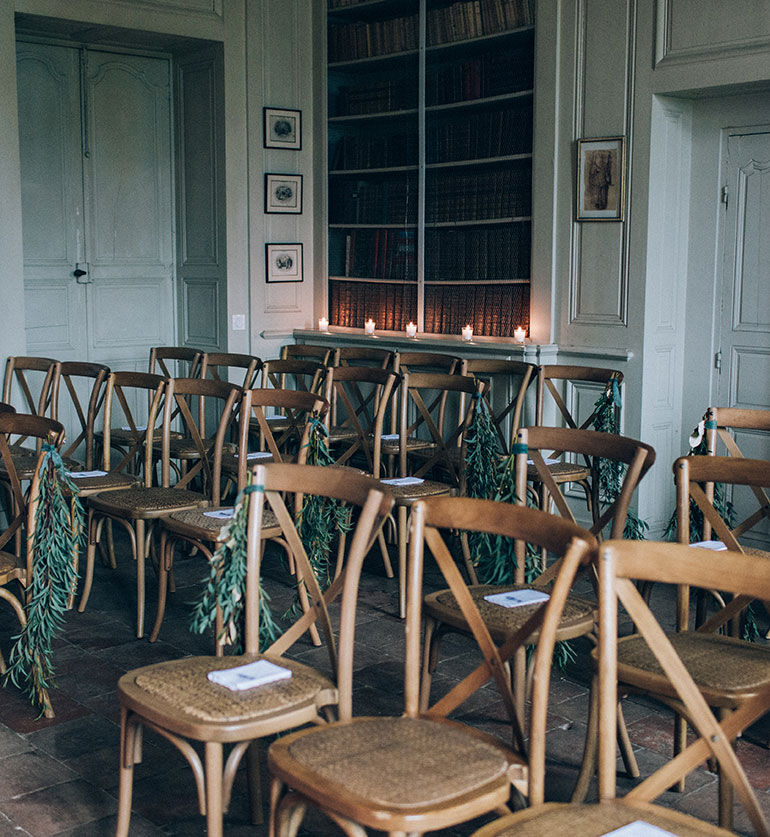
[(323, 324), (369, 326), (411, 329), (519, 334), (467, 333)]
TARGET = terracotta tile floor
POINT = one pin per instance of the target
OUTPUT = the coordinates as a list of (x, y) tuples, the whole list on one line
[(60, 776)]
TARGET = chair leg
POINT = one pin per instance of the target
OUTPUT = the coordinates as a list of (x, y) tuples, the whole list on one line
[(402, 543), (725, 790), (125, 793), (88, 578), (139, 555), (385, 556), (164, 569), (254, 783), (680, 742), (213, 757), (429, 661), (626, 748), (591, 745)]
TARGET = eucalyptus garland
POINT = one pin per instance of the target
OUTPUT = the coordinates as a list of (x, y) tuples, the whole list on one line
[(226, 584), (611, 471), (320, 518), (57, 538)]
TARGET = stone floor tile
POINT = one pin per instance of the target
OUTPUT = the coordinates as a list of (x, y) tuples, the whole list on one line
[(105, 827), (27, 772), (75, 738)]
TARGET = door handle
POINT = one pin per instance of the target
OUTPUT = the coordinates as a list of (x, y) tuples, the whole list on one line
[(81, 270)]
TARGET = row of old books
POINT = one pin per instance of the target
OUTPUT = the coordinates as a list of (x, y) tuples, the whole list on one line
[(380, 254), (390, 306), (478, 254), (487, 75), (476, 196), (488, 134), (366, 151), (351, 41), (391, 201), (466, 19), (493, 310)]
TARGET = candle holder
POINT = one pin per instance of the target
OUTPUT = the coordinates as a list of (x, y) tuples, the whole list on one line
[(519, 334), (323, 324), (411, 330), (369, 327), (467, 333)]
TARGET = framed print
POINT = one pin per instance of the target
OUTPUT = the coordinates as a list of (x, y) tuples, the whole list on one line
[(283, 193), (601, 179), (283, 128), (283, 262)]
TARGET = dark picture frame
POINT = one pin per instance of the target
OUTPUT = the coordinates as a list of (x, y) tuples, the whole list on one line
[(601, 176), (283, 194), (283, 128), (284, 262)]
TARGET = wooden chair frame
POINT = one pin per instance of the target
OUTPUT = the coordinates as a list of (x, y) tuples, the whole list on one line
[(86, 413)]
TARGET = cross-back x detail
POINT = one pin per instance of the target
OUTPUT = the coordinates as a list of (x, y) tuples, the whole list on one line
[(86, 412), (546, 375)]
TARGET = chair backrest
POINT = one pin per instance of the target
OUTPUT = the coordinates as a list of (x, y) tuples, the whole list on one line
[(620, 564), (365, 356), (302, 375), (572, 544), (429, 362), (192, 399), (272, 483), (282, 421), (44, 430), (695, 477), (548, 375), (425, 413), (505, 394), (132, 406), (85, 385), (175, 362), (217, 366), (363, 396), (37, 378), (325, 355), (594, 447)]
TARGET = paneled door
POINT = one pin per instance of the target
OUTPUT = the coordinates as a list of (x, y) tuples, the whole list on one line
[(743, 319), (97, 208)]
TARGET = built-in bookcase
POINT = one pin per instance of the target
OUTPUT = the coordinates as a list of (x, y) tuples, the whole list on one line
[(430, 149)]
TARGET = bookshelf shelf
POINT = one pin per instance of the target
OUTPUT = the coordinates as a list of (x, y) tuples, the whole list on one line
[(430, 190)]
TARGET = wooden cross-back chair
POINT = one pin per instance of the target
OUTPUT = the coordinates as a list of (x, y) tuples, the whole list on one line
[(361, 356), (302, 375), (406, 362), (84, 407), (138, 508), (177, 700), (421, 771), (620, 565), (37, 380), (325, 355), (505, 394), (199, 527), (220, 366), (175, 362), (17, 553), (547, 379)]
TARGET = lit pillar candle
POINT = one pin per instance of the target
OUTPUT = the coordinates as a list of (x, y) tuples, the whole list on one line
[(369, 326), (467, 333), (323, 324), (519, 334), (411, 329)]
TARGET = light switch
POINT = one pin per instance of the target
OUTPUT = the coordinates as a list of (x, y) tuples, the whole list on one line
[(239, 322)]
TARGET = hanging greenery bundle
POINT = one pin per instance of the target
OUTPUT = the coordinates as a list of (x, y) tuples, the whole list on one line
[(611, 472), (226, 584), (56, 541), (320, 519)]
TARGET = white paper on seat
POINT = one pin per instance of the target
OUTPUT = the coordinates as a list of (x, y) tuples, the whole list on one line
[(517, 598), (717, 546), (81, 475), (389, 437), (403, 481), (249, 676), (639, 828), (258, 454), (220, 514), (547, 459), (139, 427), (275, 418)]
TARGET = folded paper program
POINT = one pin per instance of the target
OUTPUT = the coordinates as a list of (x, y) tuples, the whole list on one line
[(639, 828), (517, 598), (249, 676), (717, 546), (81, 475), (220, 514), (403, 481)]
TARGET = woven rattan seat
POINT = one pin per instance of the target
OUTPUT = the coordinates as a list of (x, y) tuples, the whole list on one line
[(154, 501), (399, 762), (562, 472), (595, 821), (725, 669), (412, 443), (8, 566), (25, 461), (577, 619), (107, 482), (199, 519), (182, 689)]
